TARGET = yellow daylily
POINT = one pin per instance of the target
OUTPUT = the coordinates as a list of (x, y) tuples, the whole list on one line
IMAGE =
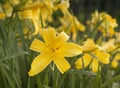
[(2, 15), (63, 6), (7, 12), (14, 2), (36, 11), (89, 46), (117, 35), (34, 15), (8, 9), (100, 56), (109, 46), (96, 56), (107, 26), (71, 23), (55, 48), (115, 60)]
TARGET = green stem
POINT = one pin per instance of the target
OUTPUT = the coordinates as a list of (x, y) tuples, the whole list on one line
[(107, 83)]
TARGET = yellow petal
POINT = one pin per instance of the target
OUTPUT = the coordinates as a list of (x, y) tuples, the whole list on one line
[(94, 65), (38, 46), (111, 32), (79, 64), (2, 15), (39, 64), (86, 59), (25, 14), (37, 26), (62, 64), (61, 39), (114, 64), (109, 46), (89, 46), (117, 57), (49, 35), (70, 50), (103, 57)]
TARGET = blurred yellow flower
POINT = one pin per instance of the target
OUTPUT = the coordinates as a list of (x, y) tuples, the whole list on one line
[(117, 35), (8, 9), (108, 46), (92, 54), (63, 6), (99, 57), (107, 26), (34, 16), (38, 12), (89, 46), (71, 23), (55, 48), (115, 60), (2, 15), (14, 2)]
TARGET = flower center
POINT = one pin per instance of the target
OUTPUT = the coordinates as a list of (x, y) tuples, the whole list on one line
[(52, 50)]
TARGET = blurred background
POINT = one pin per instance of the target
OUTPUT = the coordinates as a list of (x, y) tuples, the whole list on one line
[(83, 8)]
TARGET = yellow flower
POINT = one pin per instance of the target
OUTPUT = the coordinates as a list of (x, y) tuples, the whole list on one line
[(8, 9), (55, 48), (63, 6), (71, 23), (14, 2), (107, 26), (89, 46), (2, 15), (109, 46), (92, 54), (99, 56), (117, 35), (33, 11), (115, 60)]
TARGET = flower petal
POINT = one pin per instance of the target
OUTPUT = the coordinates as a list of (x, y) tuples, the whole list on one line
[(69, 50), (39, 64), (89, 46), (103, 57), (37, 26), (117, 57), (94, 65), (38, 46), (114, 64), (49, 35), (86, 58), (62, 64), (61, 39)]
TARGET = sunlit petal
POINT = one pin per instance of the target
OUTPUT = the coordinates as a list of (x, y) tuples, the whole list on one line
[(89, 46), (79, 64), (114, 64), (62, 64), (117, 57), (2, 15), (49, 35), (69, 50), (38, 46), (103, 57), (86, 59), (61, 39), (39, 64), (94, 65)]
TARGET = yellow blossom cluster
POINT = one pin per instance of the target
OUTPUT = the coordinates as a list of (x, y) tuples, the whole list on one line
[(59, 36), (105, 22)]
